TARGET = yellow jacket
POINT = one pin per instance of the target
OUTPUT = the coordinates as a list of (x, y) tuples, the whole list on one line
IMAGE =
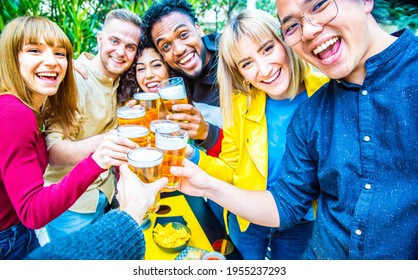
[(243, 159)]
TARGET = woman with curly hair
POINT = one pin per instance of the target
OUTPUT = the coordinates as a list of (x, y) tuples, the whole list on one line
[(147, 71)]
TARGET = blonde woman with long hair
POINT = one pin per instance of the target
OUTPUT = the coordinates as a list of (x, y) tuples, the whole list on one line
[(262, 82)]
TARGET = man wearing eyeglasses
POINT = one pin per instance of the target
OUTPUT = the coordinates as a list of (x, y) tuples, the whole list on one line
[(354, 144)]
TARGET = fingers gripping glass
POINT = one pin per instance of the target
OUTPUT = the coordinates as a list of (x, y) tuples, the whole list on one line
[(317, 13)]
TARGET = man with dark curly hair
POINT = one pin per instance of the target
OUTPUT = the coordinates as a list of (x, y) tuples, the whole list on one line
[(172, 27)]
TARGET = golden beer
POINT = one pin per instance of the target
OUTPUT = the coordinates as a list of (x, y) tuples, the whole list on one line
[(173, 143), (150, 101), (136, 133), (160, 123), (170, 102), (146, 163), (172, 91), (130, 115)]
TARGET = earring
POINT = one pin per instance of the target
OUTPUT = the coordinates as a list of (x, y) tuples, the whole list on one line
[(246, 84)]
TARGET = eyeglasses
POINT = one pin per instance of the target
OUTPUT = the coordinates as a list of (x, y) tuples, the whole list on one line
[(317, 13)]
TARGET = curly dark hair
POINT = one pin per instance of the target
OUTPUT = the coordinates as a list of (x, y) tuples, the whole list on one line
[(128, 85), (162, 8)]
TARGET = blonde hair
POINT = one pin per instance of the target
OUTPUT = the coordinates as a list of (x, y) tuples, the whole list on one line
[(59, 108), (256, 25), (124, 15)]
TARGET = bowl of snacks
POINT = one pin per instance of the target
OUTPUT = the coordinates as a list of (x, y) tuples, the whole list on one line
[(171, 237)]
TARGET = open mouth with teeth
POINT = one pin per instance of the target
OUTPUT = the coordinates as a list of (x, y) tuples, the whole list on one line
[(327, 49), (273, 78), (47, 76), (118, 61), (185, 59), (152, 85)]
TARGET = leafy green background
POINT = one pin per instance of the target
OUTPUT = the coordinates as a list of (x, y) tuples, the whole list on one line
[(80, 19)]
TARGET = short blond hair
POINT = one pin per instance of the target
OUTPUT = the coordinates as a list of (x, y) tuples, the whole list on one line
[(124, 15), (256, 25)]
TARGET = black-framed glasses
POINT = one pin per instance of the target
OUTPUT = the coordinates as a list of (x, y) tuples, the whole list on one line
[(317, 13)]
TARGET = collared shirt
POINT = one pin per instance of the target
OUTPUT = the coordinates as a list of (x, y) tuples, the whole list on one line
[(205, 93), (97, 105), (205, 88), (355, 148)]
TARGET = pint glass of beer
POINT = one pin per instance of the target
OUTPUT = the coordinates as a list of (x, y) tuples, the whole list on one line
[(150, 101), (137, 133), (130, 115), (161, 123), (146, 163), (172, 91), (173, 143)]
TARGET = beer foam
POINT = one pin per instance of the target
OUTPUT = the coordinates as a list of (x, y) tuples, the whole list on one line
[(173, 92), (132, 131), (155, 125), (130, 113), (170, 143), (145, 157), (146, 96)]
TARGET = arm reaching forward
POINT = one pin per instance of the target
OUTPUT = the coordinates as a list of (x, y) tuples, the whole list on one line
[(258, 207)]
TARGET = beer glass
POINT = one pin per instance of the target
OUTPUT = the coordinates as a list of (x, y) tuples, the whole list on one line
[(137, 133), (173, 143), (130, 115), (146, 163), (150, 101), (172, 91), (160, 123)]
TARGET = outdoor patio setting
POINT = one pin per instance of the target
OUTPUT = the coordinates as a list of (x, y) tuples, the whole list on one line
[(148, 138)]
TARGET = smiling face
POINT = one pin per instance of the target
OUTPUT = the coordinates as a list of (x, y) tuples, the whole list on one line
[(43, 68), (150, 70), (340, 47), (265, 65), (180, 43), (118, 43)]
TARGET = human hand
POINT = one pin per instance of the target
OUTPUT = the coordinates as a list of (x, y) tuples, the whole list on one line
[(194, 181), (80, 68), (190, 150), (113, 150), (134, 196), (131, 103), (196, 125)]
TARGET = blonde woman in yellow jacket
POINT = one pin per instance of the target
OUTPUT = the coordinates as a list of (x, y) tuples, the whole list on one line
[(262, 82)]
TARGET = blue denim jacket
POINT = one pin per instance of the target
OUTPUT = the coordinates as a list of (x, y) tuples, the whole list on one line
[(355, 148)]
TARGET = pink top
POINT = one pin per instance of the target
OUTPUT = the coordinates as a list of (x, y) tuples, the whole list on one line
[(23, 160)]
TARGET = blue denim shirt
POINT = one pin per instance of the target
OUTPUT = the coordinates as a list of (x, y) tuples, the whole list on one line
[(355, 148)]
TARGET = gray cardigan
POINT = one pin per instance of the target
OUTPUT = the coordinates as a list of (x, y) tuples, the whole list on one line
[(116, 236)]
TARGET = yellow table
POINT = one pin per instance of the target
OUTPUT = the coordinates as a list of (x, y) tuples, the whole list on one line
[(179, 207)]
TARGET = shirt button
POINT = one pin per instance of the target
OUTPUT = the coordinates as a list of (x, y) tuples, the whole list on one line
[(366, 138), (368, 186), (364, 92), (248, 140), (358, 232)]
